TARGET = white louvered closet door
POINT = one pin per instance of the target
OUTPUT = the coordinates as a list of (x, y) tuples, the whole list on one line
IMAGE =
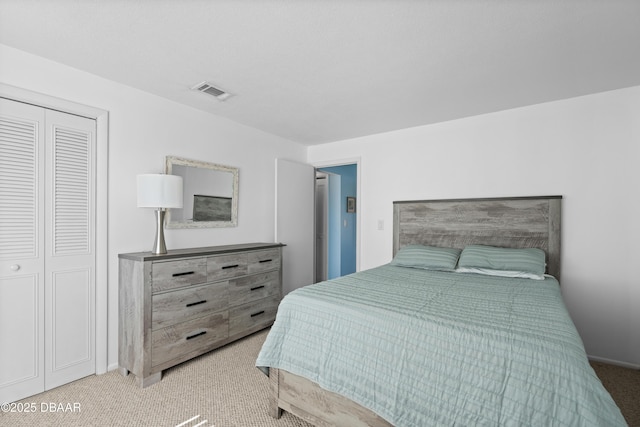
[(69, 247), (21, 250), (47, 249)]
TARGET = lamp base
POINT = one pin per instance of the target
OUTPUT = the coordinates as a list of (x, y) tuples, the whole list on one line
[(159, 246)]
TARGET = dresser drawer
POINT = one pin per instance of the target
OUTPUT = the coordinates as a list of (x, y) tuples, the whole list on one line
[(253, 314), (175, 274), (226, 266), (252, 288), (175, 341), (173, 307), (268, 259), (176, 306)]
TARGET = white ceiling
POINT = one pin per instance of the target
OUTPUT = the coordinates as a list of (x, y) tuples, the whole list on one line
[(322, 71)]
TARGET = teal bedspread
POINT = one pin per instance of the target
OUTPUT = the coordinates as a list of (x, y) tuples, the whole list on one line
[(427, 348)]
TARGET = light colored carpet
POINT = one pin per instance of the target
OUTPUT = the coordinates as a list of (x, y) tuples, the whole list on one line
[(624, 386), (222, 388)]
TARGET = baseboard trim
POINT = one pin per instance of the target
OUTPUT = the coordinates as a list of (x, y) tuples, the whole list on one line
[(112, 367), (614, 362)]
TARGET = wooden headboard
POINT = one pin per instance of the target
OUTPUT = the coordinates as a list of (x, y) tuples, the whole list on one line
[(510, 222)]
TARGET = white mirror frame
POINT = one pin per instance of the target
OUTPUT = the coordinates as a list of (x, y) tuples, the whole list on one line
[(172, 161)]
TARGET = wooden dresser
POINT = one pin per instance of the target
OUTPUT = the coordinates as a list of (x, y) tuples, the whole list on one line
[(179, 305)]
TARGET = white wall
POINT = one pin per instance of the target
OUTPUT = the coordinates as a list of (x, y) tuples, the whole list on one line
[(143, 129), (586, 149)]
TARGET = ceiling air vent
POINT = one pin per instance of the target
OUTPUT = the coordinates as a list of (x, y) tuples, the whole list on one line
[(207, 88)]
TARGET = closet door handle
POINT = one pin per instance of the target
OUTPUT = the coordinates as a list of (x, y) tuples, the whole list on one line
[(191, 304), (265, 260), (190, 337), (230, 266), (186, 273), (257, 314), (257, 287)]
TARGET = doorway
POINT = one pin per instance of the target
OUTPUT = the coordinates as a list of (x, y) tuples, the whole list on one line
[(336, 221), (295, 220)]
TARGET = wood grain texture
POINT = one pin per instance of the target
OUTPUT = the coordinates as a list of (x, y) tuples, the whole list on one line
[(167, 317), (263, 260), (204, 251), (524, 222), (254, 287), (178, 273), (274, 408), (169, 308), (227, 266), (260, 313), (321, 407), (131, 321), (173, 342)]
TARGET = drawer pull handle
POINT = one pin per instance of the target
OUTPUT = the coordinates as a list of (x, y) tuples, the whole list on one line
[(257, 287), (257, 314), (191, 304), (196, 335), (265, 260), (186, 273), (230, 266)]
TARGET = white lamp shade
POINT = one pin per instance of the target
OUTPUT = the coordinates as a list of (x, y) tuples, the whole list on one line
[(159, 191)]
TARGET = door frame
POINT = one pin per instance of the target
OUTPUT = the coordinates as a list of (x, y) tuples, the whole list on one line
[(342, 162), (321, 263), (102, 157)]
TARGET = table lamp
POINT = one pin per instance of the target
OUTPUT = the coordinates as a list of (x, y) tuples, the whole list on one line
[(160, 192)]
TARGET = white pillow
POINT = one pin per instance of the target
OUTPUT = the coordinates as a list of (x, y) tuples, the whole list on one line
[(501, 273)]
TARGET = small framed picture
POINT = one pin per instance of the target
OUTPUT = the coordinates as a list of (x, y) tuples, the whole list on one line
[(351, 204)]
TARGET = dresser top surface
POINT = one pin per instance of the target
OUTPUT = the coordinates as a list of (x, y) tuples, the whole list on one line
[(209, 250)]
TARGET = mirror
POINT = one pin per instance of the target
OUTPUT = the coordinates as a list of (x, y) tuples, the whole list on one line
[(210, 194)]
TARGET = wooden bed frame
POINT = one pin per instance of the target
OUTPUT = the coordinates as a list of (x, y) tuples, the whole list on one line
[(516, 222)]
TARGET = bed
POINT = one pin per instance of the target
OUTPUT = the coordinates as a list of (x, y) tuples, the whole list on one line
[(448, 343)]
